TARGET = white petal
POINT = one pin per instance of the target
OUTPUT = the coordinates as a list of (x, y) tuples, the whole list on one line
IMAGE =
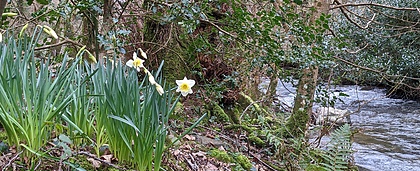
[(179, 82), (134, 55), (130, 63), (190, 83), (138, 69), (184, 93)]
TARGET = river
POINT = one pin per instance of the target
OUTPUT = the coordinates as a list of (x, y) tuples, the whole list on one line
[(389, 138)]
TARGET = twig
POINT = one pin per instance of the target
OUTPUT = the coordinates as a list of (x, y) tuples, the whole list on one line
[(262, 162), (11, 161), (223, 31), (191, 165), (52, 45), (358, 50), (96, 158)]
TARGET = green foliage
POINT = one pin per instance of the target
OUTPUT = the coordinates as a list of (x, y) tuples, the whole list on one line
[(382, 39), (134, 115), (31, 99), (339, 152)]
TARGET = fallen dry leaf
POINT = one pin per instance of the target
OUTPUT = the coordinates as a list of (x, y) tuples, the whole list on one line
[(95, 163), (107, 158), (190, 137), (200, 154)]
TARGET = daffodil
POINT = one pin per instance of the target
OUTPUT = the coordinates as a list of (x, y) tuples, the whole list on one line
[(143, 53), (50, 31), (136, 62), (159, 89), (184, 86)]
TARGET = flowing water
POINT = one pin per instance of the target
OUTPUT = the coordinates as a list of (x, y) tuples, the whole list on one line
[(389, 138)]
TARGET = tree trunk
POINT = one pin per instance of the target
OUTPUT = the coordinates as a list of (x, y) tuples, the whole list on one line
[(2, 6), (298, 122)]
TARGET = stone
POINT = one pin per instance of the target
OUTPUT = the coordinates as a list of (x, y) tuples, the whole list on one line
[(331, 116)]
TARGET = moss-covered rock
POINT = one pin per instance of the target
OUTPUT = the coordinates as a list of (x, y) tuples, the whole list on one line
[(218, 112)]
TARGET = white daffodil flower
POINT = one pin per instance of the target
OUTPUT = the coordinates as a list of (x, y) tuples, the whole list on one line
[(184, 86), (136, 62)]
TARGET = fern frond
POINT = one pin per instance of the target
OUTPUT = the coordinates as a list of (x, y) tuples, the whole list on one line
[(338, 154)]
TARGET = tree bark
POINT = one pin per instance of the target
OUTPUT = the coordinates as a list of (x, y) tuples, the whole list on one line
[(298, 122), (2, 6)]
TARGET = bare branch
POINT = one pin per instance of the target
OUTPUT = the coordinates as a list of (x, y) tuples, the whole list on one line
[(374, 4), (385, 76)]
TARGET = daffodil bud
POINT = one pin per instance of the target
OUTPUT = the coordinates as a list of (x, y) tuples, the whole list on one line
[(143, 53), (159, 89), (80, 51), (50, 31), (9, 14), (1, 37), (91, 58), (23, 29)]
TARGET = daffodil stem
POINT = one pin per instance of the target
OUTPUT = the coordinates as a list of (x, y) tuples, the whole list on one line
[(188, 130)]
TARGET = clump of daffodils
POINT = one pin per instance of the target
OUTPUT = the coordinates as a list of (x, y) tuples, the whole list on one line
[(184, 86), (137, 63)]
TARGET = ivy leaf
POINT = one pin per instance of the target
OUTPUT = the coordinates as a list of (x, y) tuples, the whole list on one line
[(299, 2), (30, 2)]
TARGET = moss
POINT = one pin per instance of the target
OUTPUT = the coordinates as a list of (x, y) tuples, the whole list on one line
[(243, 161), (296, 123), (221, 155), (3, 136), (256, 140), (218, 112), (237, 126), (234, 115), (246, 100)]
